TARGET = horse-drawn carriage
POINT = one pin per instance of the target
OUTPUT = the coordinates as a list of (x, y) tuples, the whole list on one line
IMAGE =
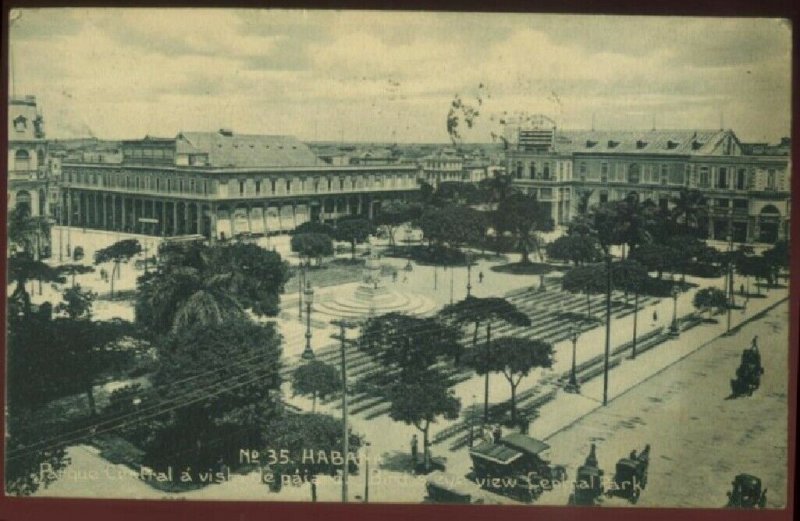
[(514, 466), (748, 374), (630, 477), (588, 486), (747, 492)]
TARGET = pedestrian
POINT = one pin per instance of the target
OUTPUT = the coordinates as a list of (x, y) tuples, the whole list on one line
[(405, 279), (741, 290), (655, 316), (414, 450), (497, 433), (394, 276), (480, 277)]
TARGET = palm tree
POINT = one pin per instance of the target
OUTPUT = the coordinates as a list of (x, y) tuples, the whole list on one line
[(690, 209), (27, 232), (485, 310)]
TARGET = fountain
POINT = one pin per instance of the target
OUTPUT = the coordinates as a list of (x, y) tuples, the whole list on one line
[(372, 297)]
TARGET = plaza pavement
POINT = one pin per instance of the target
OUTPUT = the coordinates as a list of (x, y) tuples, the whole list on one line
[(390, 440)]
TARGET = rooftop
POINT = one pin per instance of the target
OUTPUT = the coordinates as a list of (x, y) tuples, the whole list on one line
[(226, 149), (678, 142)]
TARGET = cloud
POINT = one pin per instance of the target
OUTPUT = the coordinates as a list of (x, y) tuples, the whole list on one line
[(392, 75)]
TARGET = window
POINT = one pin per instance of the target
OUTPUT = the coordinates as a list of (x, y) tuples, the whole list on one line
[(169, 185), (533, 170), (664, 174), (205, 187), (771, 179), (258, 187), (741, 179), (546, 172), (288, 186), (603, 197), (722, 203), (633, 173), (519, 170), (180, 185), (22, 160), (20, 124), (272, 187), (241, 187), (330, 182), (158, 183), (316, 185), (604, 169), (582, 169), (722, 178), (740, 204), (341, 183), (703, 178)]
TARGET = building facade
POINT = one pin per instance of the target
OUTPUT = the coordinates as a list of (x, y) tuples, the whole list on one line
[(28, 174), (746, 193), (221, 184)]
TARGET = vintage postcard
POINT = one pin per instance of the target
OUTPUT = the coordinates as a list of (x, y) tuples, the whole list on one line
[(398, 257)]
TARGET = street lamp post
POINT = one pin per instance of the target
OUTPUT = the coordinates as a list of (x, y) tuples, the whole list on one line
[(366, 471), (300, 285), (469, 273), (308, 354), (573, 386), (673, 327)]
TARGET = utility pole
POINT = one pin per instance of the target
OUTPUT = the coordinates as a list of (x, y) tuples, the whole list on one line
[(608, 329), (343, 325)]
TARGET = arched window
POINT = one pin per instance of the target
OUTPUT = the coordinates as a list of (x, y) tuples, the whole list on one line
[(22, 160), (24, 201)]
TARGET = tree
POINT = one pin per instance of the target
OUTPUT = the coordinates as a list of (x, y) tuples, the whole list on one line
[(523, 216), (316, 379), (574, 248), (421, 401), (86, 351), (24, 465), (453, 225), (690, 211), (754, 266), (396, 213), (77, 303), (74, 269), (408, 344), (22, 267), (515, 358), (496, 188), (657, 257), (707, 299), (209, 284), (315, 227), (307, 434), (484, 310), (28, 233), (120, 251), (777, 258), (631, 276), (311, 245), (354, 231), (216, 414)]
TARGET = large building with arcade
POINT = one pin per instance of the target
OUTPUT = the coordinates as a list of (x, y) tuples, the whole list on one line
[(746, 192), (223, 184)]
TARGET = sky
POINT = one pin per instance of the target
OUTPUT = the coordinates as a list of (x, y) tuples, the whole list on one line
[(372, 76)]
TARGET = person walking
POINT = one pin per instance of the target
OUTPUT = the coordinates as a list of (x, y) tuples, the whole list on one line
[(655, 316), (480, 277), (414, 450)]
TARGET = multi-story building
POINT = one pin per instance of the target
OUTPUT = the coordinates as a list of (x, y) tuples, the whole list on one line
[(440, 167), (221, 184), (746, 193), (27, 157)]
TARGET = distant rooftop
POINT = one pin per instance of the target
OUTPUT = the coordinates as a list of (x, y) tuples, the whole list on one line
[(226, 149)]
